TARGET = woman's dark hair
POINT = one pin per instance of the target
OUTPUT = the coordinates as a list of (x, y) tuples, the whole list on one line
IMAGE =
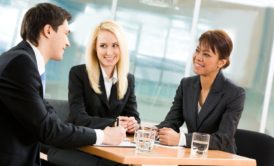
[(218, 40), (37, 17)]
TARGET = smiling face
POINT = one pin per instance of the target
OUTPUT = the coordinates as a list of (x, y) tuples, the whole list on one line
[(59, 41), (206, 62), (108, 50)]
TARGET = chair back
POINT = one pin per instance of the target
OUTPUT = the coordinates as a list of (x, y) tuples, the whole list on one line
[(61, 107), (255, 145), (62, 110)]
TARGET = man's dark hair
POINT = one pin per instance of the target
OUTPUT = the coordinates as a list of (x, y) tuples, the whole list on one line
[(37, 17)]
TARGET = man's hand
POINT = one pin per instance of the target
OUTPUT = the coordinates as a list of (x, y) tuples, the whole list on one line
[(168, 136), (132, 125), (114, 135)]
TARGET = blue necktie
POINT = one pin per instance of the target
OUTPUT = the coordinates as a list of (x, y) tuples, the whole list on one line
[(43, 79)]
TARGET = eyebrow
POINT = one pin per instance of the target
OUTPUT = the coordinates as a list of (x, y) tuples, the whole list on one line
[(204, 49), (107, 42)]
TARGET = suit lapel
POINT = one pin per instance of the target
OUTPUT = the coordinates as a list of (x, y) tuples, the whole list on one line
[(26, 46), (113, 100), (212, 99), (103, 95), (192, 101)]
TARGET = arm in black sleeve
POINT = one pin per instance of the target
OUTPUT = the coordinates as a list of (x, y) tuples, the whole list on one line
[(22, 86), (174, 118)]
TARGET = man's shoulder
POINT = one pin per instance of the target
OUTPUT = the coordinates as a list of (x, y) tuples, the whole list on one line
[(18, 60), (22, 49), (16, 56)]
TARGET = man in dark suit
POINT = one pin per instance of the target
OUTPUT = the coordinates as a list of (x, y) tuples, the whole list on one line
[(25, 118)]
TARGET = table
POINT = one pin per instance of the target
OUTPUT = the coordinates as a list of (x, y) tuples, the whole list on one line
[(164, 155)]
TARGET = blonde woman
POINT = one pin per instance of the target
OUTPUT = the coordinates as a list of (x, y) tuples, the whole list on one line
[(102, 90)]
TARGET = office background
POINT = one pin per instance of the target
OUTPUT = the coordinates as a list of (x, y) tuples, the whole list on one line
[(162, 35)]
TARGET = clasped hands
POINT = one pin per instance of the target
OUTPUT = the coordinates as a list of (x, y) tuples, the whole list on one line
[(115, 135), (128, 123), (167, 136)]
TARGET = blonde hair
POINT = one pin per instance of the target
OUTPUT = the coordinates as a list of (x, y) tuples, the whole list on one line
[(92, 62)]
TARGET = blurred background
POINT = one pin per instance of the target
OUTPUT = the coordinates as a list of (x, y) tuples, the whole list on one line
[(162, 35)]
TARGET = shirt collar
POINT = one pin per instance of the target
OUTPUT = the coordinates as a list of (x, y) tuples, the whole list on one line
[(39, 59), (114, 77)]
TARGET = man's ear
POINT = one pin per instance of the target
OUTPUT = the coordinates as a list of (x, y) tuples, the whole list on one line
[(47, 30)]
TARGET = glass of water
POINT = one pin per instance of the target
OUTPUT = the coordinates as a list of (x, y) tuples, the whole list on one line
[(147, 128), (145, 140), (199, 144)]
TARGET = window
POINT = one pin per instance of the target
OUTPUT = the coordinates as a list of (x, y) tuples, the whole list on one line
[(161, 46)]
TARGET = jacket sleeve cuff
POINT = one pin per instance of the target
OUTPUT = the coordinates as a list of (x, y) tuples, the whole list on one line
[(99, 136)]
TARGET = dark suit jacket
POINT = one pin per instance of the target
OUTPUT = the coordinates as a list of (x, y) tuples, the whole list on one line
[(219, 115), (90, 109), (25, 118)]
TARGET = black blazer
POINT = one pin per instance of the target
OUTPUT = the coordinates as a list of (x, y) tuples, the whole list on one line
[(25, 118), (90, 109), (219, 115)]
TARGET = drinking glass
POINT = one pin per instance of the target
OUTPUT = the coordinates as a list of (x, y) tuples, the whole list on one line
[(199, 144), (144, 140)]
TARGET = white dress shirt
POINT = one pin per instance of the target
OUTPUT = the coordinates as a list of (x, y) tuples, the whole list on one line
[(39, 59), (182, 141), (109, 81)]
